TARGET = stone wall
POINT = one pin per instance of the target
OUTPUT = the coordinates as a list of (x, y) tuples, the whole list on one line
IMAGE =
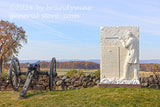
[(153, 81), (61, 82), (83, 81)]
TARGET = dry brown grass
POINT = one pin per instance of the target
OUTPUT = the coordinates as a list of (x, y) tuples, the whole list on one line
[(59, 71), (147, 74)]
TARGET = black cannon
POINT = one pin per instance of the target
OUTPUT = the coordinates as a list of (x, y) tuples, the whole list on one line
[(33, 72)]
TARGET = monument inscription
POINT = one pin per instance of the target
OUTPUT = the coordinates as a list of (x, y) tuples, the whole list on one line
[(119, 55)]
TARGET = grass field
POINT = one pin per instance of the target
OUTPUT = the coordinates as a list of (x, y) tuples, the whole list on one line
[(64, 71), (86, 71), (95, 96)]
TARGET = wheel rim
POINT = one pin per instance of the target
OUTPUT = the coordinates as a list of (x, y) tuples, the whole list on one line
[(52, 74), (14, 71)]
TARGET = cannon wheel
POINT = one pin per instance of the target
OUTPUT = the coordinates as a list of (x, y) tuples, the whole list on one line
[(52, 74), (14, 73)]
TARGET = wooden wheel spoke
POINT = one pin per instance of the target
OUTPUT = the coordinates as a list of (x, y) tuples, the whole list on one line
[(14, 81)]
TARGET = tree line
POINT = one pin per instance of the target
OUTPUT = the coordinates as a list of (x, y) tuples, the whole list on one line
[(151, 67), (68, 65)]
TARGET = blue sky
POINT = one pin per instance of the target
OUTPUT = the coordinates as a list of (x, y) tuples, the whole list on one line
[(70, 29)]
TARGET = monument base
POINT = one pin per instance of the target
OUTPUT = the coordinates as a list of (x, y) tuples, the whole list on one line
[(120, 85)]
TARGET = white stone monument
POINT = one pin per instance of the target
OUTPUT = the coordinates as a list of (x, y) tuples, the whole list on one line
[(119, 53)]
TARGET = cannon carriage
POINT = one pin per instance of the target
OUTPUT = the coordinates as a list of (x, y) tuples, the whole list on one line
[(33, 72)]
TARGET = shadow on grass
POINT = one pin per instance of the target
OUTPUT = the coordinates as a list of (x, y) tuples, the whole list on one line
[(41, 93), (33, 94)]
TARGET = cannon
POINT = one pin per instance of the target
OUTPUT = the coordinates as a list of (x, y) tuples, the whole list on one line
[(33, 72)]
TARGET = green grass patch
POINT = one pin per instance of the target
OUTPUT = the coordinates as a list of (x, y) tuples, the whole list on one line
[(74, 72), (96, 73), (95, 96), (5, 75)]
